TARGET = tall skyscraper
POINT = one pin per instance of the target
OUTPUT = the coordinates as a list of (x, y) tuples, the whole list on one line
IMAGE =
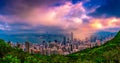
[(72, 38), (27, 45), (64, 40), (98, 43), (18, 45), (71, 48), (9, 42)]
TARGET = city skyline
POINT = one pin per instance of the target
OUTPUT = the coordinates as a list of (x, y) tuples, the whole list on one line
[(22, 20), (65, 47)]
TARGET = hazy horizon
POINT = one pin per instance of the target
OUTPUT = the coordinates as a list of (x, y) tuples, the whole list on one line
[(22, 20)]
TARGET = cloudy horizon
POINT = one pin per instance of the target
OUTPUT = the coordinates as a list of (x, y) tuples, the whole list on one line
[(34, 17)]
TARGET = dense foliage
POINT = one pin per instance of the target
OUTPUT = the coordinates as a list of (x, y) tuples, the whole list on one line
[(107, 53)]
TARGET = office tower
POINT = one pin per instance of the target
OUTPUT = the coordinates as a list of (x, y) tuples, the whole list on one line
[(32, 51), (23, 47), (9, 42), (42, 50), (72, 36), (56, 41), (71, 47), (64, 40), (54, 50), (18, 45), (98, 42), (68, 40), (27, 45), (48, 51), (43, 43)]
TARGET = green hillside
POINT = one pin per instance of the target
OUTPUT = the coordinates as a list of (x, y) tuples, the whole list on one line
[(107, 53)]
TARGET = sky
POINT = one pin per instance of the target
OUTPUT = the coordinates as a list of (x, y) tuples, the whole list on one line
[(22, 20)]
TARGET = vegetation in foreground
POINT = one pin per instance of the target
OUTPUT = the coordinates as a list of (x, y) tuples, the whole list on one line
[(107, 53)]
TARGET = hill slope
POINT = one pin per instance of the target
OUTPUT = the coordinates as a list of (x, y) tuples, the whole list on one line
[(107, 53)]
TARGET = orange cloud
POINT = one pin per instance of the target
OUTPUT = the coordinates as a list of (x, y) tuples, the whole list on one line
[(67, 16)]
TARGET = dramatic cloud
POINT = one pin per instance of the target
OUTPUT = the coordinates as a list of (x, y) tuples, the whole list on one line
[(20, 6), (34, 17)]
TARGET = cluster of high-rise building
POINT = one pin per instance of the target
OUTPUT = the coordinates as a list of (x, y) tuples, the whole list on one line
[(67, 46)]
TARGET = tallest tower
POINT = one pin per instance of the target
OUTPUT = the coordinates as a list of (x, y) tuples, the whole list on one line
[(72, 38)]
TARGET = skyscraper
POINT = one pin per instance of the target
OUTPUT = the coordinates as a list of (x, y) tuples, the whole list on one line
[(72, 36), (27, 45), (18, 44), (98, 43), (71, 48), (64, 40)]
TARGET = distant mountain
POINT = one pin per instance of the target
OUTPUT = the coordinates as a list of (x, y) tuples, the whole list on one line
[(105, 33), (106, 53), (102, 35)]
